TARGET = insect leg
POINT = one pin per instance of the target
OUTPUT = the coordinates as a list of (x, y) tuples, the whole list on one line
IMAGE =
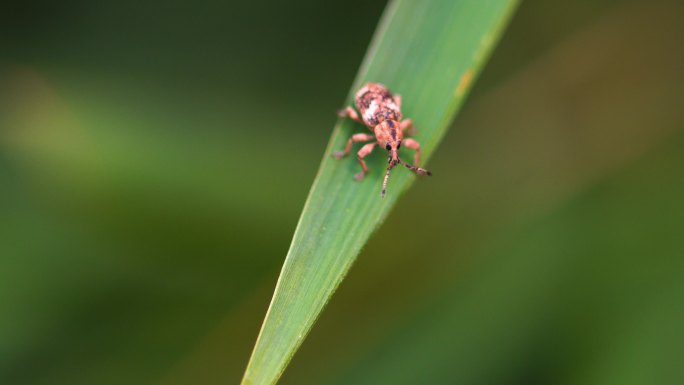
[(405, 125), (397, 100), (412, 144), (354, 138), (365, 150), (349, 113)]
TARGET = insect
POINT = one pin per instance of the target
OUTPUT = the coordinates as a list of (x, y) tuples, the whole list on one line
[(381, 112)]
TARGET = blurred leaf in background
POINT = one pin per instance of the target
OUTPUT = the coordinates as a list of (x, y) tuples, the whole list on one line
[(148, 196)]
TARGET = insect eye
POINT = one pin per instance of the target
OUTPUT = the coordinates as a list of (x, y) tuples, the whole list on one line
[(398, 145), (388, 147)]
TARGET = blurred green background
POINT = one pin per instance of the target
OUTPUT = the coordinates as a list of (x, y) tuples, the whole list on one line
[(154, 158)]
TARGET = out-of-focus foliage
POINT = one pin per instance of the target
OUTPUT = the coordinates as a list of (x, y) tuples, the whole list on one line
[(154, 159)]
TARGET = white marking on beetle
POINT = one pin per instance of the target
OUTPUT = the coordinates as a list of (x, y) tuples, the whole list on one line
[(370, 112)]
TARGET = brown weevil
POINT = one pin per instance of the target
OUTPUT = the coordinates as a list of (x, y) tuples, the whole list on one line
[(381, 112)]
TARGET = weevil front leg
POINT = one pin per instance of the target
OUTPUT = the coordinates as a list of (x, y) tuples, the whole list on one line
[(407, 127), (412, 144), (354, 138), (363, 152), (349, 113), (397, 100)]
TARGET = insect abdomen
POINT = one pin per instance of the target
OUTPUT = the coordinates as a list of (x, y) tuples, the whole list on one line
[(376, 104)]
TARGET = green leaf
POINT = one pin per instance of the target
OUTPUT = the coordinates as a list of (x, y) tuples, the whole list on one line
[(429, 52)]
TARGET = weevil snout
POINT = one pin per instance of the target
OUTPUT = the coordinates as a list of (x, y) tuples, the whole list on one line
[(392, 147), (393, 156)]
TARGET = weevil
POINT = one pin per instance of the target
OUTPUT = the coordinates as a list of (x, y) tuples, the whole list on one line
[(381, 113)]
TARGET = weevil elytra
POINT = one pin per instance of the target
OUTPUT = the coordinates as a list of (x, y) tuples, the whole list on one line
[(381, 112)]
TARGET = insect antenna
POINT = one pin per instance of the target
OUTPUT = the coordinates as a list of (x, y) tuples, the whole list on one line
[(384, 182), (417, 170)]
